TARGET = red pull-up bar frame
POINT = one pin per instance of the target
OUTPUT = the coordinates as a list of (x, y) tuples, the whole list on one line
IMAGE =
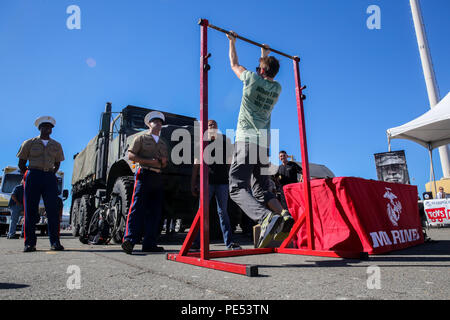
[(201, 220)]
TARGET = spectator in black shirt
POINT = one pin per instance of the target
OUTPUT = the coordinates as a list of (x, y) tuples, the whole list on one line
[(288, 172), (218, 161)]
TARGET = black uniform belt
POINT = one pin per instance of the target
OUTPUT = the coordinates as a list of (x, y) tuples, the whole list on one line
[(153, 170), (41, 169)]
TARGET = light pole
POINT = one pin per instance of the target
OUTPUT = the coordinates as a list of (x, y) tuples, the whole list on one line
[(430, 78)]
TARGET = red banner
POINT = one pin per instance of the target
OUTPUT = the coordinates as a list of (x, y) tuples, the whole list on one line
[(355, 214)]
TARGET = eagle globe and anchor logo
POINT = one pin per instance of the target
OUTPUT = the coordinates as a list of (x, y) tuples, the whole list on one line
[(394, 207)]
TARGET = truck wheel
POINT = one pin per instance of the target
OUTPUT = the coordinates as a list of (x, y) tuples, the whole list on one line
[(44, 230), (75, 220), (85, 213), (121, 201), (3, 229), (178, 226)]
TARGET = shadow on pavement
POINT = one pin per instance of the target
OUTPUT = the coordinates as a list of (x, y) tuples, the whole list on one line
[(418, 256), (6, 286)]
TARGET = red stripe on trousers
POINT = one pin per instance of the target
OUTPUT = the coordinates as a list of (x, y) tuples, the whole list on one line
[(132, 202), (24, 206)]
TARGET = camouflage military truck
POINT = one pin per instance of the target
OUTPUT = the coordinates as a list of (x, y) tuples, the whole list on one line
[(103, 177)]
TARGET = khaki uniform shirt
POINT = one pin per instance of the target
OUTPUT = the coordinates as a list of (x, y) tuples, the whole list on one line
[(146, 147), (40, 156)]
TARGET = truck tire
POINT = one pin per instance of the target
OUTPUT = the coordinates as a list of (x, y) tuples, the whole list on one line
[(4, 229), (121, 200), (43, 230), (75, 220), (85, 212)]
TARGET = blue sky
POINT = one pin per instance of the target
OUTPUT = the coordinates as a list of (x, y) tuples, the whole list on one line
[(146, 53)]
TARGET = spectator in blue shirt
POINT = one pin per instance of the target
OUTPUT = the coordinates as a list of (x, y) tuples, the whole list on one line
[(16, 207)]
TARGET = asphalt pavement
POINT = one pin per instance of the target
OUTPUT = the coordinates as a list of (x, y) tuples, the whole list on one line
[(104, 272)]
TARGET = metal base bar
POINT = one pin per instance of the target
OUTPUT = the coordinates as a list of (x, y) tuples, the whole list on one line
[(244, 269), (325, 253), (243, 252), (194, 258), (233, 253)]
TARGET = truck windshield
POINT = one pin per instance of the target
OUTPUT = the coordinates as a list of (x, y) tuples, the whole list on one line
[(136, 121), (11, 180)]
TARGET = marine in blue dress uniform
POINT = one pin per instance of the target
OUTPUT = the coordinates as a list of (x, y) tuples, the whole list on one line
[(43, 156), (151, 153)]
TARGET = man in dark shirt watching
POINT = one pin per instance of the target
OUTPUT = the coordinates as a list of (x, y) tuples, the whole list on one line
[(218, 168), (288, 172)]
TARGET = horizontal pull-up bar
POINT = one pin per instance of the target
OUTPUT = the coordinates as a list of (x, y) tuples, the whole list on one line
[(202, 21)]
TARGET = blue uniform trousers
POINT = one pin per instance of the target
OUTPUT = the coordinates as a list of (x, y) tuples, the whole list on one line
[(40, 183), (145, 210)]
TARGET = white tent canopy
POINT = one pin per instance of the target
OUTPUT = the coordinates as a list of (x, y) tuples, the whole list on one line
[(431, 130)]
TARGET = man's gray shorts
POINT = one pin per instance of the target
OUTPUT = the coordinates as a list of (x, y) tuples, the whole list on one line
[(249, 186)]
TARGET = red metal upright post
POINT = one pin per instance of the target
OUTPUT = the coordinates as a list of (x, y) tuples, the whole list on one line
[(204, 189), (305, 166)]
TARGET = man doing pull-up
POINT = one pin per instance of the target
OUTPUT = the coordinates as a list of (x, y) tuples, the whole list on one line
[(248, 183)]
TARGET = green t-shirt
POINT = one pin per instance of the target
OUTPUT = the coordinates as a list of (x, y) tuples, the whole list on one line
[(259, 96)]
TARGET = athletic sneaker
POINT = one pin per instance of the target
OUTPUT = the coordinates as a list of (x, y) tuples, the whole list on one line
[(234, 246), (269, 227), (285, 227)]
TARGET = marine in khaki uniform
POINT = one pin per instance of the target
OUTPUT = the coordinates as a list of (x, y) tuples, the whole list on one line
[(43, 156), (151, 153)]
